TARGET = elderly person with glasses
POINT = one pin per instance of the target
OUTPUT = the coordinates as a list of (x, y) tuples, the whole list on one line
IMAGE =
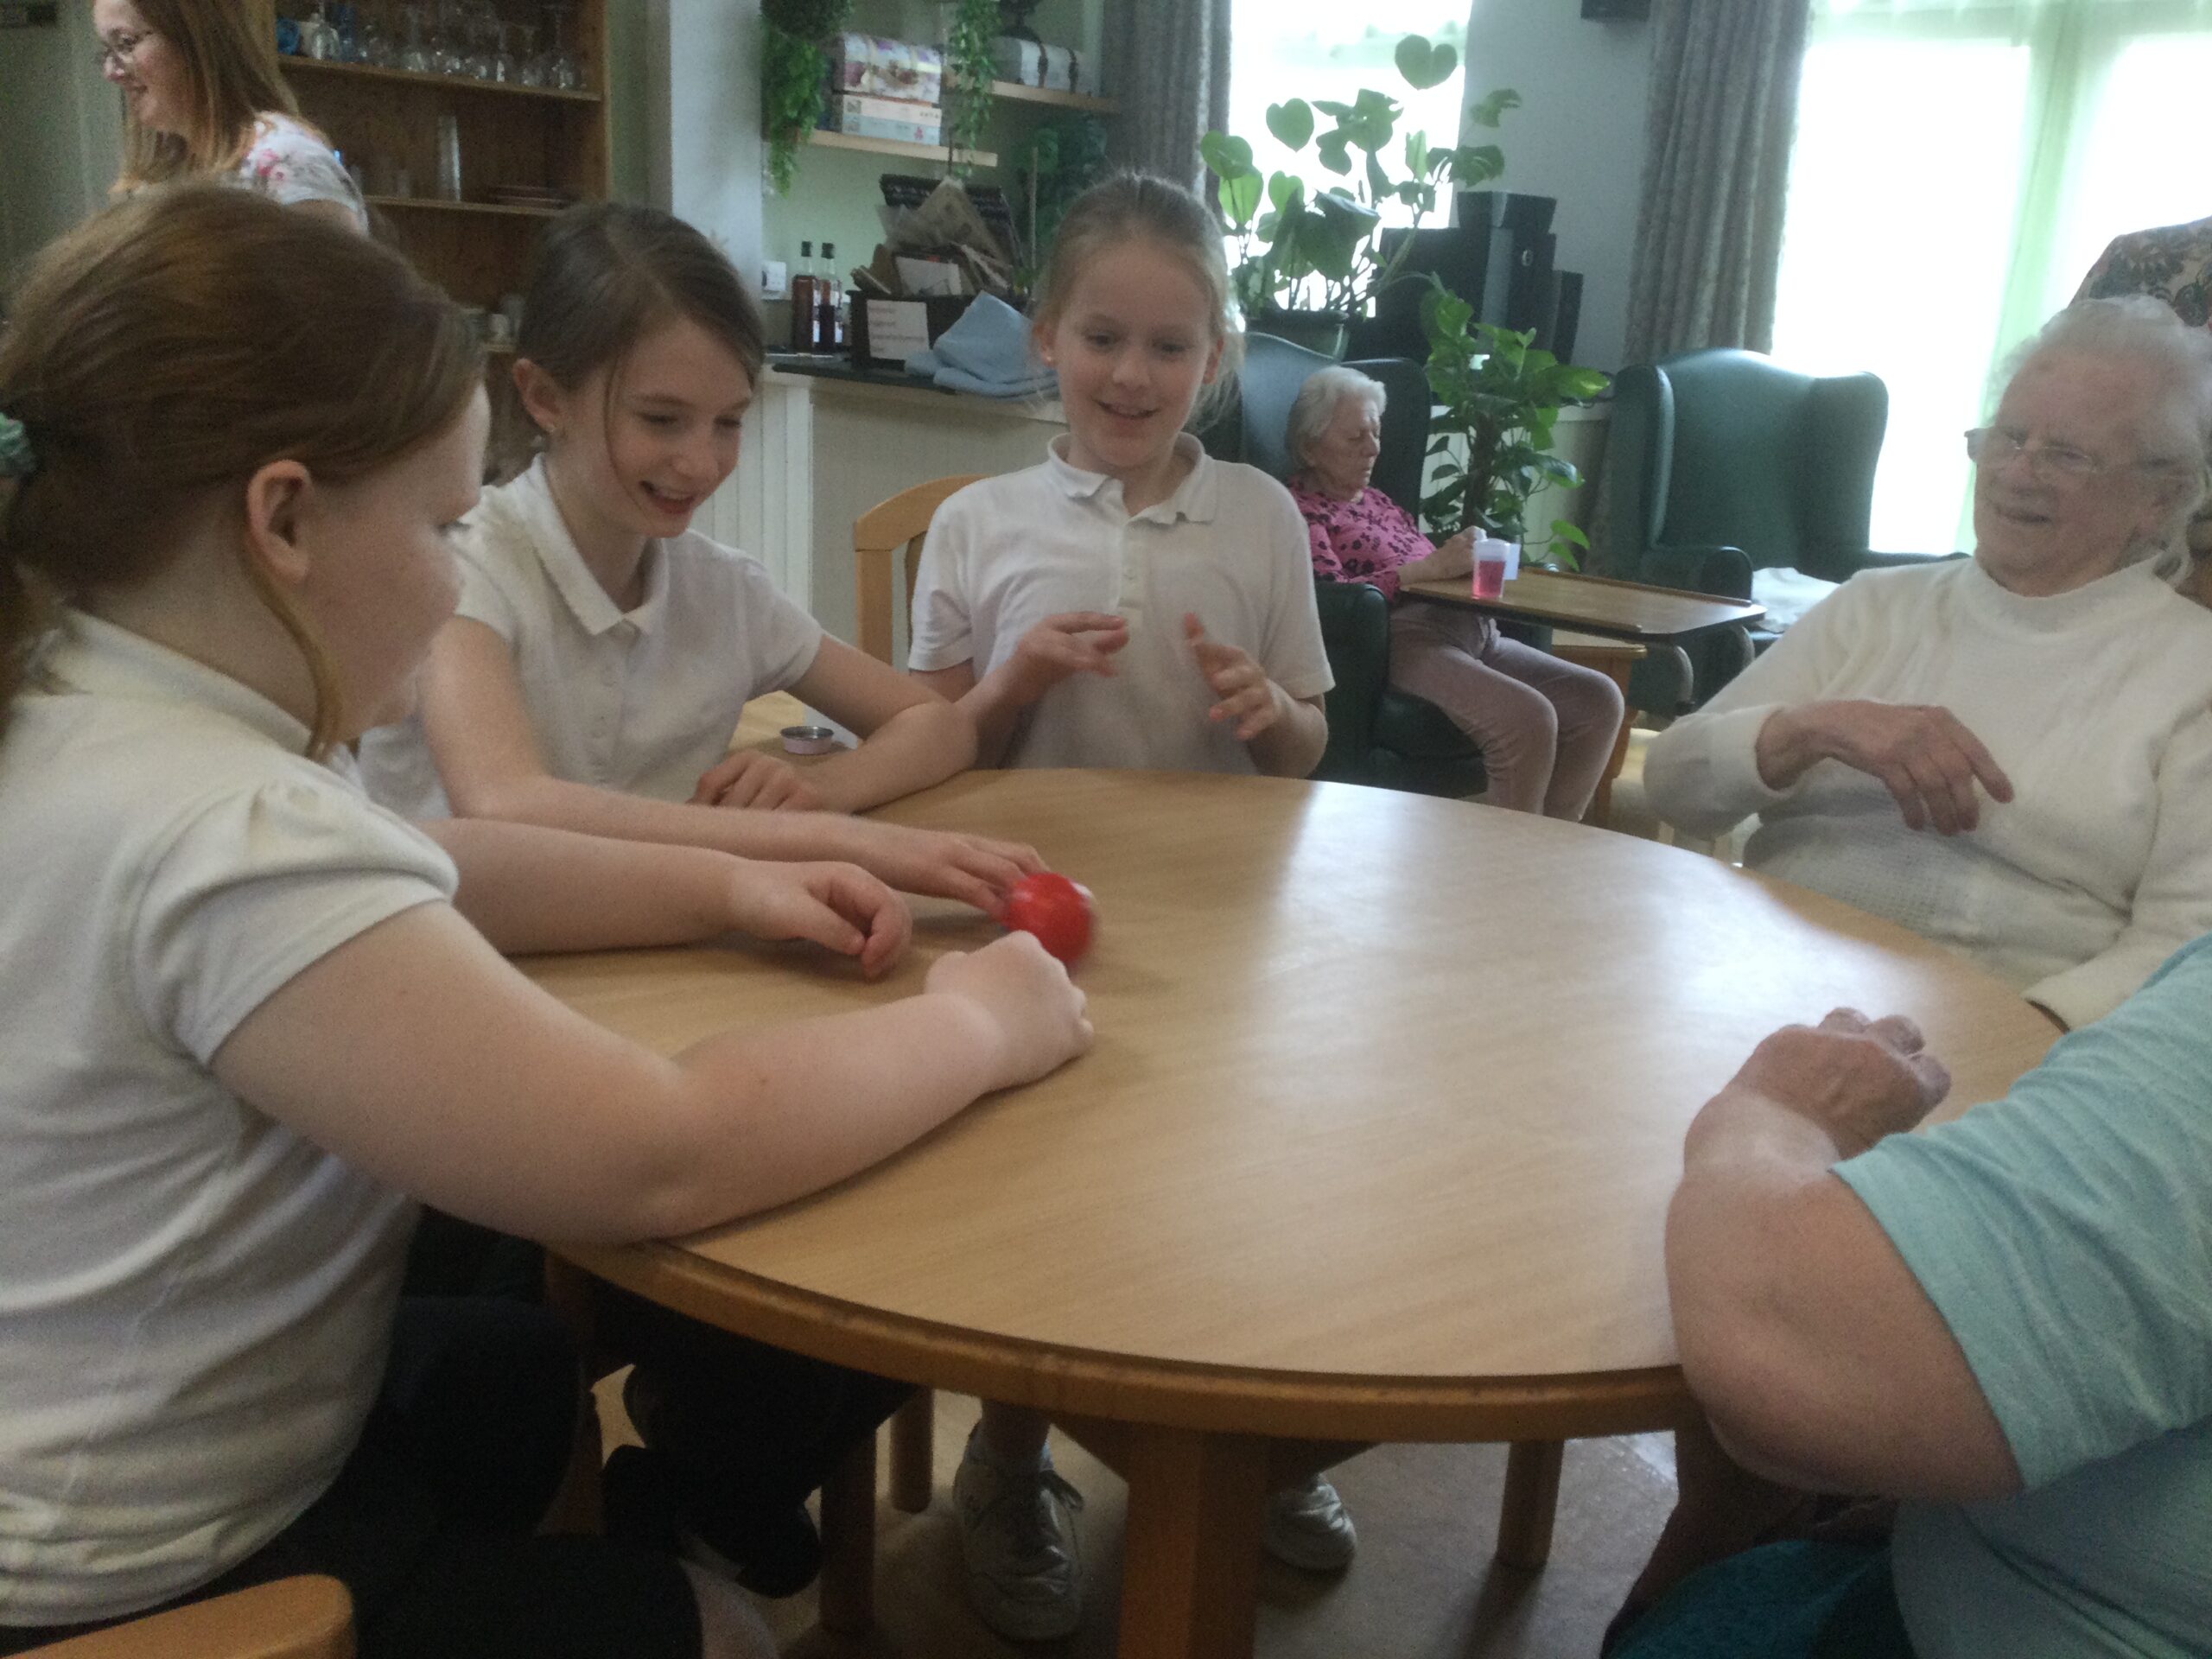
[(202, 98), (1546, 728), (2010, 754)]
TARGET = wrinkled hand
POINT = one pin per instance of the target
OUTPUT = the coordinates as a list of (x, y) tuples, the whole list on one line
[(836, 905), (1858, 1079), (1028, 997), (1924, 756), (1456, 556), (748, 777), (1246, 695), (1060, 647), (971, 868)]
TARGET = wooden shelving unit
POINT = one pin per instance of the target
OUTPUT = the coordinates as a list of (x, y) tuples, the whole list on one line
[(385, 122), (315, 68), (1024, 94), (432, 205), (895, 146)]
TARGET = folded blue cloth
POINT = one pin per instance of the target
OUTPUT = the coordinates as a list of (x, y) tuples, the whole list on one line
[(985, 351)]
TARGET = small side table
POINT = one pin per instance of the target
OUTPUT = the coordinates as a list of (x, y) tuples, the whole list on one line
[(1613, 658)]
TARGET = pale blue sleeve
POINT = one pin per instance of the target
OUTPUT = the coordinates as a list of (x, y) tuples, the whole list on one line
[(2064, 1233)]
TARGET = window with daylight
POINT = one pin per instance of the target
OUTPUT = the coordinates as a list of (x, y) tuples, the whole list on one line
[(1314, 49), (1959, 166)]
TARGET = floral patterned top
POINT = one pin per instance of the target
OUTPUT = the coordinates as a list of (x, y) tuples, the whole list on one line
[(289, 162), (1364, 539), (2173, 263)]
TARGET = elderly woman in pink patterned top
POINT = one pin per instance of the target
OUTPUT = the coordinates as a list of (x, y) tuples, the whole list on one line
[(1546, 728)]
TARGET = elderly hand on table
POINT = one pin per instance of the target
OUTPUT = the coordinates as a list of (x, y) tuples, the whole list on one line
[(1852, 1078)]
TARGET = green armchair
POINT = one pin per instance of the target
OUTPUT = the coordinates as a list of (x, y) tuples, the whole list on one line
[(1376, 736), (1722, 462)]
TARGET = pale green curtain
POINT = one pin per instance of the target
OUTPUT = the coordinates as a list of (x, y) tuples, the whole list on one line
[(1708, 231), (1958, 165), (1171, 78)]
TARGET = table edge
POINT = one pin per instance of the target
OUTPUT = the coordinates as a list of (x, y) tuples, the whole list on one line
[(1452, 593), (1130, 1388)]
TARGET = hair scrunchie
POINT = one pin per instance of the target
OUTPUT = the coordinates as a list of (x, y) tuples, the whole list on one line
[(16, 458)]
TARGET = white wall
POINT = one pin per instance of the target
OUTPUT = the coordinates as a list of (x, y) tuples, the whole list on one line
[(60, 133), (702, 94), (1578, 136)]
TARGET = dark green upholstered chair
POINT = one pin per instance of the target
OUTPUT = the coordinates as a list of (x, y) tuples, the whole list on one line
[(1376, 736), (1719, 463)]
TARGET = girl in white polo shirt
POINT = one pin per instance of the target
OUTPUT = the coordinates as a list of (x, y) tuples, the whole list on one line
[(1128, 602), (603, 650), (245, 1014)]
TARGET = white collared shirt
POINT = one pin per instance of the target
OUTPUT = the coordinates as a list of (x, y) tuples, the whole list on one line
[(194, 1299), (1228, 545), (642, 700)]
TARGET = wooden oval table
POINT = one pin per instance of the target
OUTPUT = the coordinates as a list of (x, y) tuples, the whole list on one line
[(1375, 1143)]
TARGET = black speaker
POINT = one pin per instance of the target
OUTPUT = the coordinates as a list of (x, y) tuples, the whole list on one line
[(1562, 315)]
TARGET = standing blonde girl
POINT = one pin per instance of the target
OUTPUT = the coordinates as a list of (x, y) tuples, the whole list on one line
[(247, 1027), (1127, 603), (604, 650)]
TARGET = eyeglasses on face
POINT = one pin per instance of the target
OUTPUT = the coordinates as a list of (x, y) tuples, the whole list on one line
[(117, 54), (1995, 447)]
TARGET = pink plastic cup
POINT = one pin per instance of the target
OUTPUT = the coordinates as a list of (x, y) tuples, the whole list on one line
[(1490, 577)]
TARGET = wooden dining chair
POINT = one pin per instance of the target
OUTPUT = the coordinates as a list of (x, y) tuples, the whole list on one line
[(880, 535), (305, 1617), (887, 549)]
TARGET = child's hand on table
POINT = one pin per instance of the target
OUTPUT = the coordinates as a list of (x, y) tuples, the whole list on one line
[(836, 905), (1026, 995), (1247, 695), (973, 869), (748, 777)]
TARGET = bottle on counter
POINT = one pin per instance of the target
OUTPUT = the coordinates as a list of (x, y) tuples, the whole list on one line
[(802, 300), (828, 329)]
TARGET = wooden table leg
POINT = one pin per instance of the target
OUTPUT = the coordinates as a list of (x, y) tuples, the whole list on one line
[(1191, 1562), (913, 1452), (1613, 658), (848, 1542), (1531, 1500)]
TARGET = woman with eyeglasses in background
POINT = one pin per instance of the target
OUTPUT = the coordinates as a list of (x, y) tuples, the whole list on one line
[(203, 97), (2045, 708)]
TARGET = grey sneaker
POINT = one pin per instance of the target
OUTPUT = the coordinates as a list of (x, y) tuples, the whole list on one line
[(1306, 1527), (1017, 1536)]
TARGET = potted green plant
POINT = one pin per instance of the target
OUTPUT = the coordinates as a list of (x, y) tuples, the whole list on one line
[(794, 70), (1309, 257), (1058, 161), (969, 68), (1497, 396)]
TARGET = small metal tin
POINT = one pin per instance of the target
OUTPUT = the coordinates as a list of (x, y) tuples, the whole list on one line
[(808, 739)]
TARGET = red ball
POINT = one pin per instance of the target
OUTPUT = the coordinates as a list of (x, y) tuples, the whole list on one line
[(1056, 910)]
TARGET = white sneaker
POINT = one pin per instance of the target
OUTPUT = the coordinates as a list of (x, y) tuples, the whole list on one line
[(1017, 1536), (1306, 1527)]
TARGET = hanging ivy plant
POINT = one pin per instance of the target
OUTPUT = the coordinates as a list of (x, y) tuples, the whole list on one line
[(969, 69), (794, 72)]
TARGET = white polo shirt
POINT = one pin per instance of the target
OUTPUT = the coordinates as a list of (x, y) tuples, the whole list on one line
[(1229, 545), (641, 701), (195, 1301)]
